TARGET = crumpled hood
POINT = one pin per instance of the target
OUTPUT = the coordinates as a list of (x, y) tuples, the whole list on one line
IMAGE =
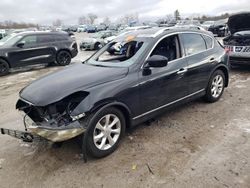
[(239, 22), (57, 85)]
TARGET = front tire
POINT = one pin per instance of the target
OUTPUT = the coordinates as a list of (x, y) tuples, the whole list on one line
[(105, 132), (215, 87), (63, 58), (4, 67)]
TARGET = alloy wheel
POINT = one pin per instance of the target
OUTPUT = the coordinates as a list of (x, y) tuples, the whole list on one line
[(107, 132), (217, 86), (64, 58), (3, 67)]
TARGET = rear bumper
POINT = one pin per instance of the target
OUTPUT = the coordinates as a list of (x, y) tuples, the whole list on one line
[(74, 52), (239, 60), (87, 46)]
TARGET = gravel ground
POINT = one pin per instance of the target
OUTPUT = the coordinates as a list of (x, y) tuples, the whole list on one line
[(195, 145)]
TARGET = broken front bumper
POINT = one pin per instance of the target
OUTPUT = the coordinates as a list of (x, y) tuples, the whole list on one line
[(39, 133)]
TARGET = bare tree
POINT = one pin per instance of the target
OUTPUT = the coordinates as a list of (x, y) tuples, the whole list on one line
[(177, 15), (8, 24), (106, 21), (169, 17), (57, 23), (128, 18), (92, 17), (82, 20)]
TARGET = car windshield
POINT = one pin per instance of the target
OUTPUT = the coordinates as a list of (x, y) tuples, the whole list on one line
[(122, 52), (10, 40), (208, 23)]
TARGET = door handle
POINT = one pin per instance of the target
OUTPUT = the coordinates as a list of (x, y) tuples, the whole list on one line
[(211, 60), (182, 70)]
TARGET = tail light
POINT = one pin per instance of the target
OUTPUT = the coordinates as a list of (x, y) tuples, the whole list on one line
[(227, 50)]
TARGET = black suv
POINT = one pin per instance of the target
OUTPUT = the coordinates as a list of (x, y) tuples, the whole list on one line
[(28, 48), (154, 70)]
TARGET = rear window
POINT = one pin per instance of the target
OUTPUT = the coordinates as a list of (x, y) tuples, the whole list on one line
[(209, 41), (193, 43)]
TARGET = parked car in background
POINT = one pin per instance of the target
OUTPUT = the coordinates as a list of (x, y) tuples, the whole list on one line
[(113, 27), (2, 33), (96, 41), (107, 94), (207, 24), (219, 28), (238, 42), (58, 29), (101, 27), (81, 28), (28, 48), (91, 29), (73, 28)]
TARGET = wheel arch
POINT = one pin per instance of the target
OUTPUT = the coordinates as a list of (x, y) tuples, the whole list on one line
[(225, 70), (64, 49), (119, 105), (5, 59)]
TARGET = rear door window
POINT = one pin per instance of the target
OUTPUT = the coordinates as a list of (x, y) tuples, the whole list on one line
[(45, 38), (193, 43)]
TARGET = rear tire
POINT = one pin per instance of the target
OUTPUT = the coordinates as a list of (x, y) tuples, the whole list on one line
[(63, 58), (96, 47), (107, 127), (4, 67), (215, 87)]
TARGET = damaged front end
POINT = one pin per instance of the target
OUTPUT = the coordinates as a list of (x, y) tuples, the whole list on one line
[(54, 122)]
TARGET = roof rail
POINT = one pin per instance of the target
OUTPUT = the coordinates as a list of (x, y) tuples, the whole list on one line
[(159, 32)]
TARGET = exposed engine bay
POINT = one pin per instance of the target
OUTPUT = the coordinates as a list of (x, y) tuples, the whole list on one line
[(54, 121), (237, 40)]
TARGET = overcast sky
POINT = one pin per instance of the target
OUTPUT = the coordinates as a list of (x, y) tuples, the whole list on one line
[(46, 11)]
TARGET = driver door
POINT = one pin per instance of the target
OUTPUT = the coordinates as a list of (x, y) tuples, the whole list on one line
[(164, 85)]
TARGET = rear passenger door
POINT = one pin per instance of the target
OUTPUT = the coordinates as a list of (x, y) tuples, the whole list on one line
[(200, 59), (47, 51)]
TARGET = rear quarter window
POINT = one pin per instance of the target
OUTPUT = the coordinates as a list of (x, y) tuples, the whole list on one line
[(193, 43), (61, 37), (209, 41)]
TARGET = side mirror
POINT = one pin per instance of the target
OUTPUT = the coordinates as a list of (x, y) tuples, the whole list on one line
[(20, 44), (157, 61)]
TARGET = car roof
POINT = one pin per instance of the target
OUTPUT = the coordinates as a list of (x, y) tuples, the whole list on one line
[(42, 32), (161, 31)]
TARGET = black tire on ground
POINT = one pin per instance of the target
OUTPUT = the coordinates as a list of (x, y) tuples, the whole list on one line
[(101, 117), (4, 67), (215, 86), (63, 58), (51, 64), (96, 47)]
